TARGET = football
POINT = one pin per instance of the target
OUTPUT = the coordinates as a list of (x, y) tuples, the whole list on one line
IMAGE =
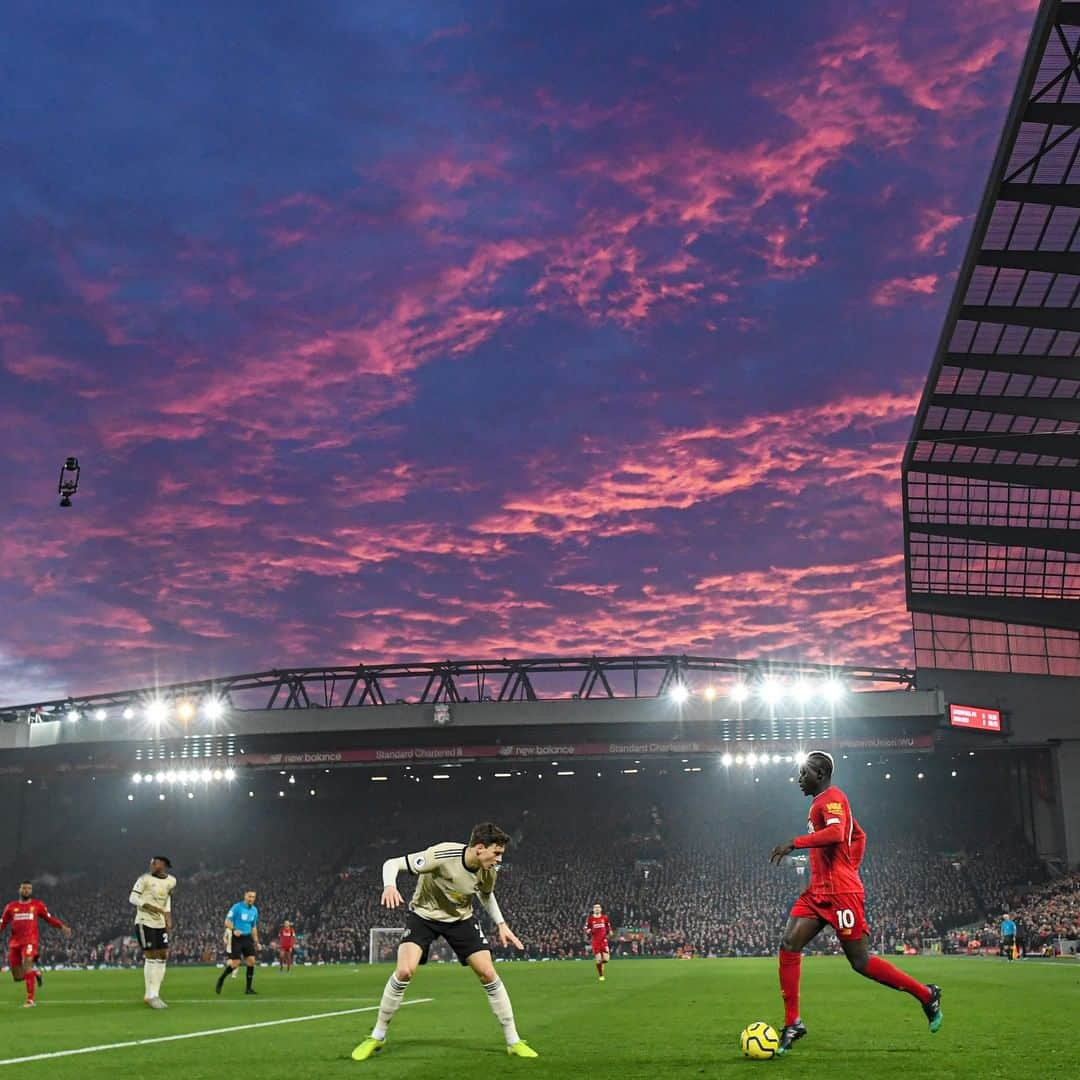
[(759, 1041)]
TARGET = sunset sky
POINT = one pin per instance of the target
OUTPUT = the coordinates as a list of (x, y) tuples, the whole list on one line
[(388, 331)]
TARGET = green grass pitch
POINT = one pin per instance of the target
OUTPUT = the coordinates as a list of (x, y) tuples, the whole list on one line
[(650, 1018)]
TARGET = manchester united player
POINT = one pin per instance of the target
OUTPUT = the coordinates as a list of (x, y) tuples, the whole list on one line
[(448, 876), (836, 844), (286, 944), (598, 927), (22, 915), (151, 896)]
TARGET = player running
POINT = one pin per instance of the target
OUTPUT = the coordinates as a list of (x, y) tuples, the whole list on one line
[(241, 940), (22, 916), (448, 876), (286, 945), (151, 896), (598, 927), (836, 843)]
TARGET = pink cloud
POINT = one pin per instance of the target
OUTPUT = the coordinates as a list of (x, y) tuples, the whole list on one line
[(935, 225), (896, 290)]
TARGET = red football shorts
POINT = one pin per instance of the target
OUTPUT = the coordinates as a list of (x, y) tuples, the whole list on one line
[(600, 945), (21, 955), (844, 912)]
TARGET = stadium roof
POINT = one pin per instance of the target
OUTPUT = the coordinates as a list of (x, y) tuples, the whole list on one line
[(991, 482)]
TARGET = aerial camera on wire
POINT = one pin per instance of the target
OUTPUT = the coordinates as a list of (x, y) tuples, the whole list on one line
[(69, 480)]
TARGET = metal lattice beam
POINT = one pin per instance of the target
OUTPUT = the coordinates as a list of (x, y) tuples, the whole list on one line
[(419, 683)]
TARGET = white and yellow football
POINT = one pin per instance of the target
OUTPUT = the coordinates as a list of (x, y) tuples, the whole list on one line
[(759, 1041)]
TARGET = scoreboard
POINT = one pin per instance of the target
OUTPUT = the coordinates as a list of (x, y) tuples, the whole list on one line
[(975, 718)]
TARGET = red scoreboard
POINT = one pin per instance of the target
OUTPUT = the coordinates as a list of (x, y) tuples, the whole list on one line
[(975, 718)]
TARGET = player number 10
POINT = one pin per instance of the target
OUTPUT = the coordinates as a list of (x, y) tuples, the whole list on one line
[(846, 919)]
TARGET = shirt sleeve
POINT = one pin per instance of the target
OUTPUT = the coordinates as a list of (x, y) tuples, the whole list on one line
[(829, 818), (422, 862), (136, 892), (47, 915)]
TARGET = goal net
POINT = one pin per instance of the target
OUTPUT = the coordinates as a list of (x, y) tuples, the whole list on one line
[(383, 942)]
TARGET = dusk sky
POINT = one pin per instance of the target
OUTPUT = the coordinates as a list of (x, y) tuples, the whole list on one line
[(393, 331)]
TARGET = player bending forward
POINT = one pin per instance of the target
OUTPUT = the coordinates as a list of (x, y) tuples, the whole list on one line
[(598, 927), (836, 843), (22, 916), (448, 876)]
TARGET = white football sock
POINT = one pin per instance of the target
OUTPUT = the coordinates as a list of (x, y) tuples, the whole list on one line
[(148, 977), (392, 996), (159, 977), (503, 1010)]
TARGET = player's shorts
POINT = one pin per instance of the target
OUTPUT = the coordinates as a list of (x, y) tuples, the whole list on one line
[(1008, 942), (600, 945), (152, 938), (286, 950), (844, 912), (465, 937), (242, 947), (21, 955)]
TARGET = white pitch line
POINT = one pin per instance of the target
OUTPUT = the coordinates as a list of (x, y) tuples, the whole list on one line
[(198, 1034), (50, 1003)]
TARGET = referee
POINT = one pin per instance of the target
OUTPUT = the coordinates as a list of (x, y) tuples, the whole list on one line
[(241, 939)]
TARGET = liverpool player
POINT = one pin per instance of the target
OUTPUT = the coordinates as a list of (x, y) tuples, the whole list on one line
[(836, 844), (598, 927), (22, 915), (286, 944), (448, 876)]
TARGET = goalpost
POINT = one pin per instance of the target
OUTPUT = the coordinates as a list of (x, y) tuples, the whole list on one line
[(383, 942)]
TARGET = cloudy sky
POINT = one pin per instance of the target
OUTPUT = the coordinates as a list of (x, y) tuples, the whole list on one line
[(390, 331)]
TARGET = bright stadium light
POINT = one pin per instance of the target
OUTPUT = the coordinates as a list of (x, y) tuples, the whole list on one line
[(777, 758), (726, 761), (129, 713), (751, 760), (738, 759), (206, 775), (801, 757), (157, 711), (772, 690), (137, 778), (218, 774), (739, 692), (230, 774), (802, 691), (710, 693), (73, 714), (679, 693), (833, 689), (100, 714), (213, 708), (191, 794), (170, 776), (185, 710)]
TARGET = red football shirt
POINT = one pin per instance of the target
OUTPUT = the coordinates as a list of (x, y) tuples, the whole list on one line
[(288, 937), (599, 926), (836, 843), (22, 916)]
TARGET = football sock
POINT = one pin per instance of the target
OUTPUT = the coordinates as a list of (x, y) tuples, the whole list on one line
[(392, 996), (224, 974), (157, 976), (148, 977), (503, 1010), (30, 978), (249, 974), (599, 968), (790, 971), (883, 972)]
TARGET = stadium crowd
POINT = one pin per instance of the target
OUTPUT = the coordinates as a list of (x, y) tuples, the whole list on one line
[(680, 872)]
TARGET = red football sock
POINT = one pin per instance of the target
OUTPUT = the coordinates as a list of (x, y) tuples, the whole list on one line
[(883, 972), (600, 968), (30, 978), (790, 972)]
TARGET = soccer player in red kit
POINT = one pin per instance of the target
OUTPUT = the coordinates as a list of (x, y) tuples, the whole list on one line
[(836, 844), (22, 915), (286, 944), (598, 927)]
